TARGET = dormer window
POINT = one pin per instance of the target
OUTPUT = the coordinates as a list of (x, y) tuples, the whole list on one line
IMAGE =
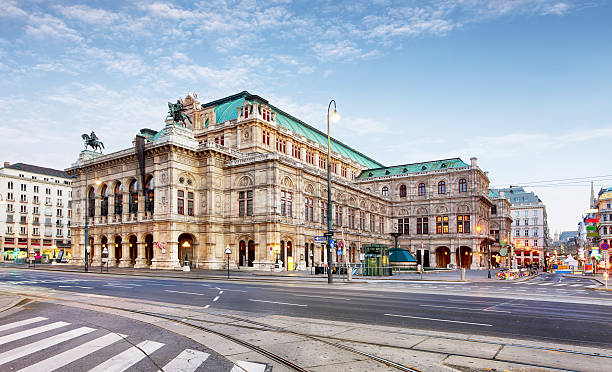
[(443, 165), (265, 114), (423, 168), (246, 112), (387, 173)]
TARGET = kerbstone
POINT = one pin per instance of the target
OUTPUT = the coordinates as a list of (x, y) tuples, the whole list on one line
[(555, 359), (440, 345)]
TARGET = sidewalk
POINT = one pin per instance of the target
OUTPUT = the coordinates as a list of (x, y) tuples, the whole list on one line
[(442, 276)]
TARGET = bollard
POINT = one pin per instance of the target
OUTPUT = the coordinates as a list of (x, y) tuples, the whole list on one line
[(463, 274)]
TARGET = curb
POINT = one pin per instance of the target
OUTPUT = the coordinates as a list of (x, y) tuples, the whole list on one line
[(261, 277), (11, 304)]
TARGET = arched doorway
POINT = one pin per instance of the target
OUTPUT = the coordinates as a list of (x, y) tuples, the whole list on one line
[(442, 257), (282, 253), (289, 254), (149, 248), (241, 253), (186, 249), (464, 258), (133, 249), (118, 249), (103, 246), (251, 253)]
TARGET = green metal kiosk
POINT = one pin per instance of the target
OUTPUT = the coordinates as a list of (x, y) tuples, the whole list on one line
[(376, 260)]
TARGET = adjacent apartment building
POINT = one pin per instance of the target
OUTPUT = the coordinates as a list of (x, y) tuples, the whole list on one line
[(530, 226), (35, 211), (244, 174)]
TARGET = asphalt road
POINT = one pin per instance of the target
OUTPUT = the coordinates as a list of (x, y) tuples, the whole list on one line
[(549, 308)]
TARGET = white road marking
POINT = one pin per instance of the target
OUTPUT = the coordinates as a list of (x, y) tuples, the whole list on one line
[(279, 303), (207, 306), (451, 307), (128, 358), (187, 361), (220, 292), (439, 320), (242, 366), (76, 353), (215, 299), (32, 348), (190, 293), (21, 323), (315, 296), (73, 286), (548, 283), (575, 285), (31, 332), (559, 285)]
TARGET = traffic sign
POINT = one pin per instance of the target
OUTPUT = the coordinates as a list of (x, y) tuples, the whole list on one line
[(605, 275), (228, 250), (320, 239), (332, 243), (592, 220), (605, 246), (339, 252)]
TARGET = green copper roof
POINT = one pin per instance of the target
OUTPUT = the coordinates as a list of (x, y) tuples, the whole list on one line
[(400, 255), (413, 168), (227, 109), (493, 194)]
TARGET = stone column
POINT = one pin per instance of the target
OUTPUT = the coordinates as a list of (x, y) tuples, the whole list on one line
[(141, 257), (110, 246), (97, 254), (453, 255), (125, 260), (475, 251)]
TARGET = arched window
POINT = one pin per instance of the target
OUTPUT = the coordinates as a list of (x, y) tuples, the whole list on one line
[(104, 202), (402, 191), (385, 191), (149, 190), (421, 189), (462, 185), (118, 198), (133, 196), (91, 200), (441, 187)]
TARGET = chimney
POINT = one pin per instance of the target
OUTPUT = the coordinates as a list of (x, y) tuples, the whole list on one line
[(474, 161), (6, 164)]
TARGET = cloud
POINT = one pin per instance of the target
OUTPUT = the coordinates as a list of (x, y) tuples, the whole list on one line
[(88, 14), (47, 26), (10, 9)]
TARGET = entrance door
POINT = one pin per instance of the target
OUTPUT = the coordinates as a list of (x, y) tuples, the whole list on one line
[(426, 259), (442, 257), (241, 253), (251, 253)]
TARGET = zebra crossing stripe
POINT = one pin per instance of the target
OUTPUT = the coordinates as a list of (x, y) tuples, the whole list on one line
[(559, 285), (31, 332), (131, 356), (187, 361), (575, 285), (32, 348), (242, 366), (549, 283), (21, 323), (81, 351)]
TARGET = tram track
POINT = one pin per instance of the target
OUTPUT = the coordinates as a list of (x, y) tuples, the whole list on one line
[(332, 341)]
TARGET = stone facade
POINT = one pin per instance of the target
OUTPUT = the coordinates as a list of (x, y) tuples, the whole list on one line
[(249, 176)]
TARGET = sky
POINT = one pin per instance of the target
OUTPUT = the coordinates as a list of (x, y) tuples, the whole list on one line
[(524, 85)]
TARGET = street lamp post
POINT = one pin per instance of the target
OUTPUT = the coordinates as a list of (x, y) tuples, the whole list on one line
[(86, 226), (335, 118)]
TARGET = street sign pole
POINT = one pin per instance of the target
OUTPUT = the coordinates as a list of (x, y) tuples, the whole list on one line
[(228, 251)]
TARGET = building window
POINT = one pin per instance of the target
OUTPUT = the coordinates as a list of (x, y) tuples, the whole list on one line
[(403, 226), (36, 189), (190, 203), (441, 187), (494, 210), (421, 189), (149, 194), (517, 233), (10, 185), (118, 198), (23, 209), (526, 222), (309, 157), (323, 212), (361, 220), (296, 151), (462, 185), (351, 218), (535, 243), (48, 191), (23, 187), (104, 201), (286, 203), (381, 224), (385, 191), (220, 140), (372, 223), (58, 213), (423, 225), (463, 224), (180, 202), (334, 167), (402, 191), (526, 232), (91, 196), (281, 145), (23, 198), (442, 225), (308, 209), (133, 196), (265, 114), (245, 203), (535, 232), (338, 211), (265, 137), (526, 242), (343, 171), (59, 192)]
